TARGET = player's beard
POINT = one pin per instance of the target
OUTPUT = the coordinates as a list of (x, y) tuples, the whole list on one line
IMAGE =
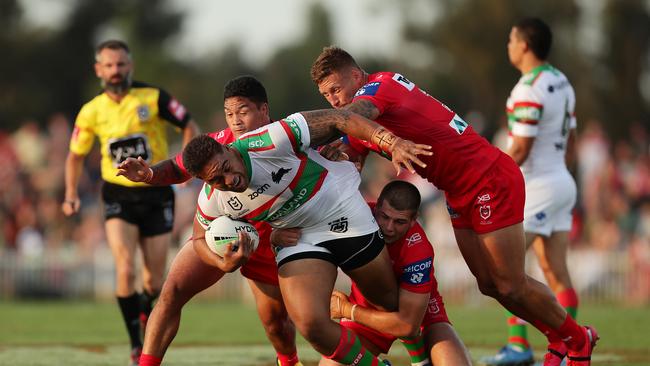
[(119, 87)]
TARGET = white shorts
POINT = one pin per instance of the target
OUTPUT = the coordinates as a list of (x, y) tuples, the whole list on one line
[(352, 219), (549, 202)]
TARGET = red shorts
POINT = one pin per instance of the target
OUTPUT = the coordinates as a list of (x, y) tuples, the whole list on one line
[(261, 266), (435, 314), (497, 201)]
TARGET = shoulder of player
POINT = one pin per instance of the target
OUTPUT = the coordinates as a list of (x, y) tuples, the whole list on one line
[(224, 136), (416, 240)]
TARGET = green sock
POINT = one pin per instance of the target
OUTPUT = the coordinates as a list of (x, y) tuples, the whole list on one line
[(350, 351), (417, 350), (517, 332)]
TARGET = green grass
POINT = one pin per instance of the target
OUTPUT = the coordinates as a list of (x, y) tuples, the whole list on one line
[(80, 333)]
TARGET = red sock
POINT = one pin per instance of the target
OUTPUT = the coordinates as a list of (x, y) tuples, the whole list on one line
[(551, 334), (287, 360), (572, 334), (568, 298), (149, 360)]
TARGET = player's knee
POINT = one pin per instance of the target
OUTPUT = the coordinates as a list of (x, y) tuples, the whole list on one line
[(487, 288), (511, 289), (125, 273), (312, 328)]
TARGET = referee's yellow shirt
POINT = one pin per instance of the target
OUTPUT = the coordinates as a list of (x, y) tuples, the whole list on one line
[(133, 127)]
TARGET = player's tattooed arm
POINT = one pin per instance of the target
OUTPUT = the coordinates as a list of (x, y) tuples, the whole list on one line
[(363, 107), (326, 125)]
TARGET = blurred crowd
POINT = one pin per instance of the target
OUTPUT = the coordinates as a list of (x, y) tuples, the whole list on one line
[(612, 214)]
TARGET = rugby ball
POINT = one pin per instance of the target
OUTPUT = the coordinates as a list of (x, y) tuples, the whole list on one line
[(223, 230)]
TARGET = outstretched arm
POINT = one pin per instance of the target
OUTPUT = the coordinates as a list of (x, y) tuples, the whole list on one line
[(162, 174), (325, 125), (363, 107)]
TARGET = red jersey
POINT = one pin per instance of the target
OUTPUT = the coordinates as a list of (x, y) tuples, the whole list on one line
[(460, 155), (412, 258), (261, 265)]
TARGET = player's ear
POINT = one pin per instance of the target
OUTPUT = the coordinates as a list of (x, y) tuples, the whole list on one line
[(265, 109), (97, 69)]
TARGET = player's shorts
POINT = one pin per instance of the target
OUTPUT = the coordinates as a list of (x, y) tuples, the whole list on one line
[(348, 237), (549, 203), (261, 265), (497, 201), (151, 209), (435, 313)]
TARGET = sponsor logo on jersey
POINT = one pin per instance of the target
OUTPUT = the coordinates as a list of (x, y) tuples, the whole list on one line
[(259, 191), (202, 220), (221, 134), (143, 113), (413, 239), (433, 307), (255, 143), (458, 124), (540, 216), (339, 225), (368, 89), (277, 176), (177, 109), (417, 273), (235, 203), (128, 147), (483, 199)]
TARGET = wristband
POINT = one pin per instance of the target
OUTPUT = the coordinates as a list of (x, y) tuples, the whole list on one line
[(383, 138), (352, 312)]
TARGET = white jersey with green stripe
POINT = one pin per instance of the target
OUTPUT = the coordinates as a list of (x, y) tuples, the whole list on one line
[(542, 105), (291, 184)]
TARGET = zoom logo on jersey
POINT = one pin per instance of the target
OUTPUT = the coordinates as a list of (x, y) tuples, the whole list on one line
[(259, 191), (277, 176), (339, 225), (417, 273)]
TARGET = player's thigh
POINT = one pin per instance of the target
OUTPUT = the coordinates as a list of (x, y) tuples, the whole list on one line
[(189, 275), (504, 253), (154, 252), (472, 251), (445, 346), (377, 281), (307, 285), (122, 238), (268, 299)]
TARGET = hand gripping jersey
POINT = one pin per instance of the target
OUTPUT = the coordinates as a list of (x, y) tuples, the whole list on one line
[(134, 127), (291, 185), (460, 156), (542, 105)]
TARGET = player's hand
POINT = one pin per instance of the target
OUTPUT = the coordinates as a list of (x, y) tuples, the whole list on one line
[(339, 305), (334, 151), (70, 206), (405, 152), (233, 259), (285, 237), (135, 170)]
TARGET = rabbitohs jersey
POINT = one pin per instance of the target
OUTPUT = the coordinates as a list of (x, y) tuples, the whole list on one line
[(291, 185), (542, 105)]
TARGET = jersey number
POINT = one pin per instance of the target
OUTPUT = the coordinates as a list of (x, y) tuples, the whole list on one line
[(404, 81)]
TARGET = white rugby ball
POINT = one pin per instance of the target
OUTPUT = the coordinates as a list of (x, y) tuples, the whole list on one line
[(224, 230)]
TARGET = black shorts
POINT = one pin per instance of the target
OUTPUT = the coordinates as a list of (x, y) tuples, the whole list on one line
[(151, 209), (346, 253)]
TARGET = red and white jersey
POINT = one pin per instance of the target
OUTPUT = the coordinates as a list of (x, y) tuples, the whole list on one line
[(412, 258), (542, 105), (460, 155)]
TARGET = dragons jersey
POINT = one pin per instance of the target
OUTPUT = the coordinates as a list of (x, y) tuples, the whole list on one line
[(542, 105), (412, 258), (460, 155), (131, 128), (291, 185)]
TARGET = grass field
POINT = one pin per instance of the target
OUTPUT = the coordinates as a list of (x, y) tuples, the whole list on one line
[(92, 334)]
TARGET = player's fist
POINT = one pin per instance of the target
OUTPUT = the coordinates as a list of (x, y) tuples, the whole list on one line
[(70, 206), (135, 170), (340, 305)]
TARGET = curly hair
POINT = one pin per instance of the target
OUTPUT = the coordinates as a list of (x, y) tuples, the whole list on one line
[(198, 152)]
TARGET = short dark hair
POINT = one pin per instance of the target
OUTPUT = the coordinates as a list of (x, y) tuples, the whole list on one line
[(113, 44), (332, 59), (401, 196), (246, 86), (537, 35), (198, 152)]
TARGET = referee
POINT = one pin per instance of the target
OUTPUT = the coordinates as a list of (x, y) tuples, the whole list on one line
[(129, 118)]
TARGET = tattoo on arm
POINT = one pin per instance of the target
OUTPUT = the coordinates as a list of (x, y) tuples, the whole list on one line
[(324, 125), (363, 107), (167, 172)]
